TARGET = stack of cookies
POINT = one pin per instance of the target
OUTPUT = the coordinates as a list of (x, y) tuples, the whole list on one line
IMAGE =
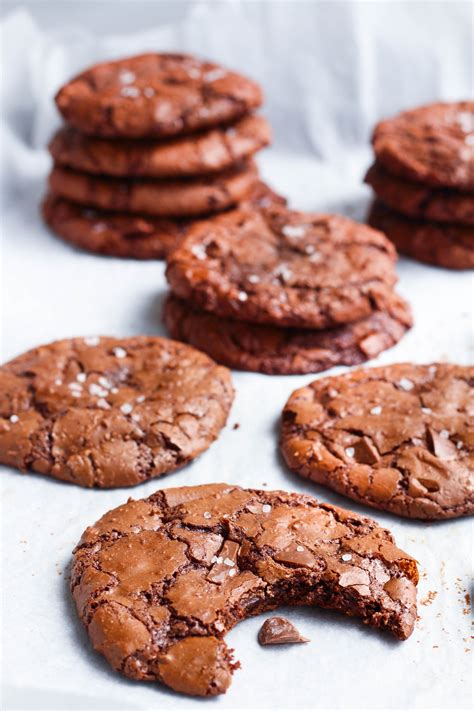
[(272, 290), (423, 178), (151, 143)]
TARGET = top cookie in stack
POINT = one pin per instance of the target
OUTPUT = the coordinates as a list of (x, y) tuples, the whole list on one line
[(423, 178), (152, 142)]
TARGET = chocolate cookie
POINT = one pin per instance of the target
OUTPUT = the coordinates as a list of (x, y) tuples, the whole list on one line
[(399, 438), (443, 244), (110, 412), (154, 95), (418, 200), (212, 151), (125, 235), (284, 268), (285, 351), (158, 582), (431, 144), (113, 233), (182, 197)]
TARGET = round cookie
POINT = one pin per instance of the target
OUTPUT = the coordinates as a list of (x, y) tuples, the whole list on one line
[(155, 95), (159, 581), (284, 268), (399, 438), (125, 235), (110, 412), (178, 198), (285, 351), (442, 244), (431, 144), (422, 201), (209, 152)]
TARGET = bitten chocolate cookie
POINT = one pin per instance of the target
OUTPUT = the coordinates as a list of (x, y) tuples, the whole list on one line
[(442, 244), (158, 582), (399, 438), (110, 412), (208, 152), (285, 351), (431, 144), (418, 200), (153, 95), (125, 235), (182, 198), (285, 268)]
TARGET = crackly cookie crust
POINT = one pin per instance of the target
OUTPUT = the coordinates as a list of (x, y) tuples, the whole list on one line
[(285, 268), (155, 95), (399, 438), (431, 144), (204, 558), (110, 412)]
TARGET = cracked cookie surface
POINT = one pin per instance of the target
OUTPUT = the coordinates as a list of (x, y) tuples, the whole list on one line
[(153, 95), (110, 412), (399, 438), (177, 198), (422, 201), (286, 268), (158, 582), (440, 243), (214, 150), (273, 350), (431, 144)]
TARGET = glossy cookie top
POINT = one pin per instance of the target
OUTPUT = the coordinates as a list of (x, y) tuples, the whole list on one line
[(285, 268), (431, 144), (399, 438), (158, 582), (110, 412), (155, 95)]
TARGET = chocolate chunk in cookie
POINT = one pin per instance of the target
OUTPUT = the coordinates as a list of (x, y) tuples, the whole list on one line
[(279, 630), (399, 438), (431, 144), (154, 95), (418, 200), (165, 198), (158, 582), (284, 268), (208, 152), (285, 351), (439, 243), (110, 412)]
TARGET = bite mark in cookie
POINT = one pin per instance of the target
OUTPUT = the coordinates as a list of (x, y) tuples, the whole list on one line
[(206, 557)]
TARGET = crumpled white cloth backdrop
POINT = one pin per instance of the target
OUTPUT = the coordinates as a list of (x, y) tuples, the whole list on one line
[(330, 70)]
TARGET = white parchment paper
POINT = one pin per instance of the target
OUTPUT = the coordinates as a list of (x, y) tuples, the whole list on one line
[(330, 70)]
